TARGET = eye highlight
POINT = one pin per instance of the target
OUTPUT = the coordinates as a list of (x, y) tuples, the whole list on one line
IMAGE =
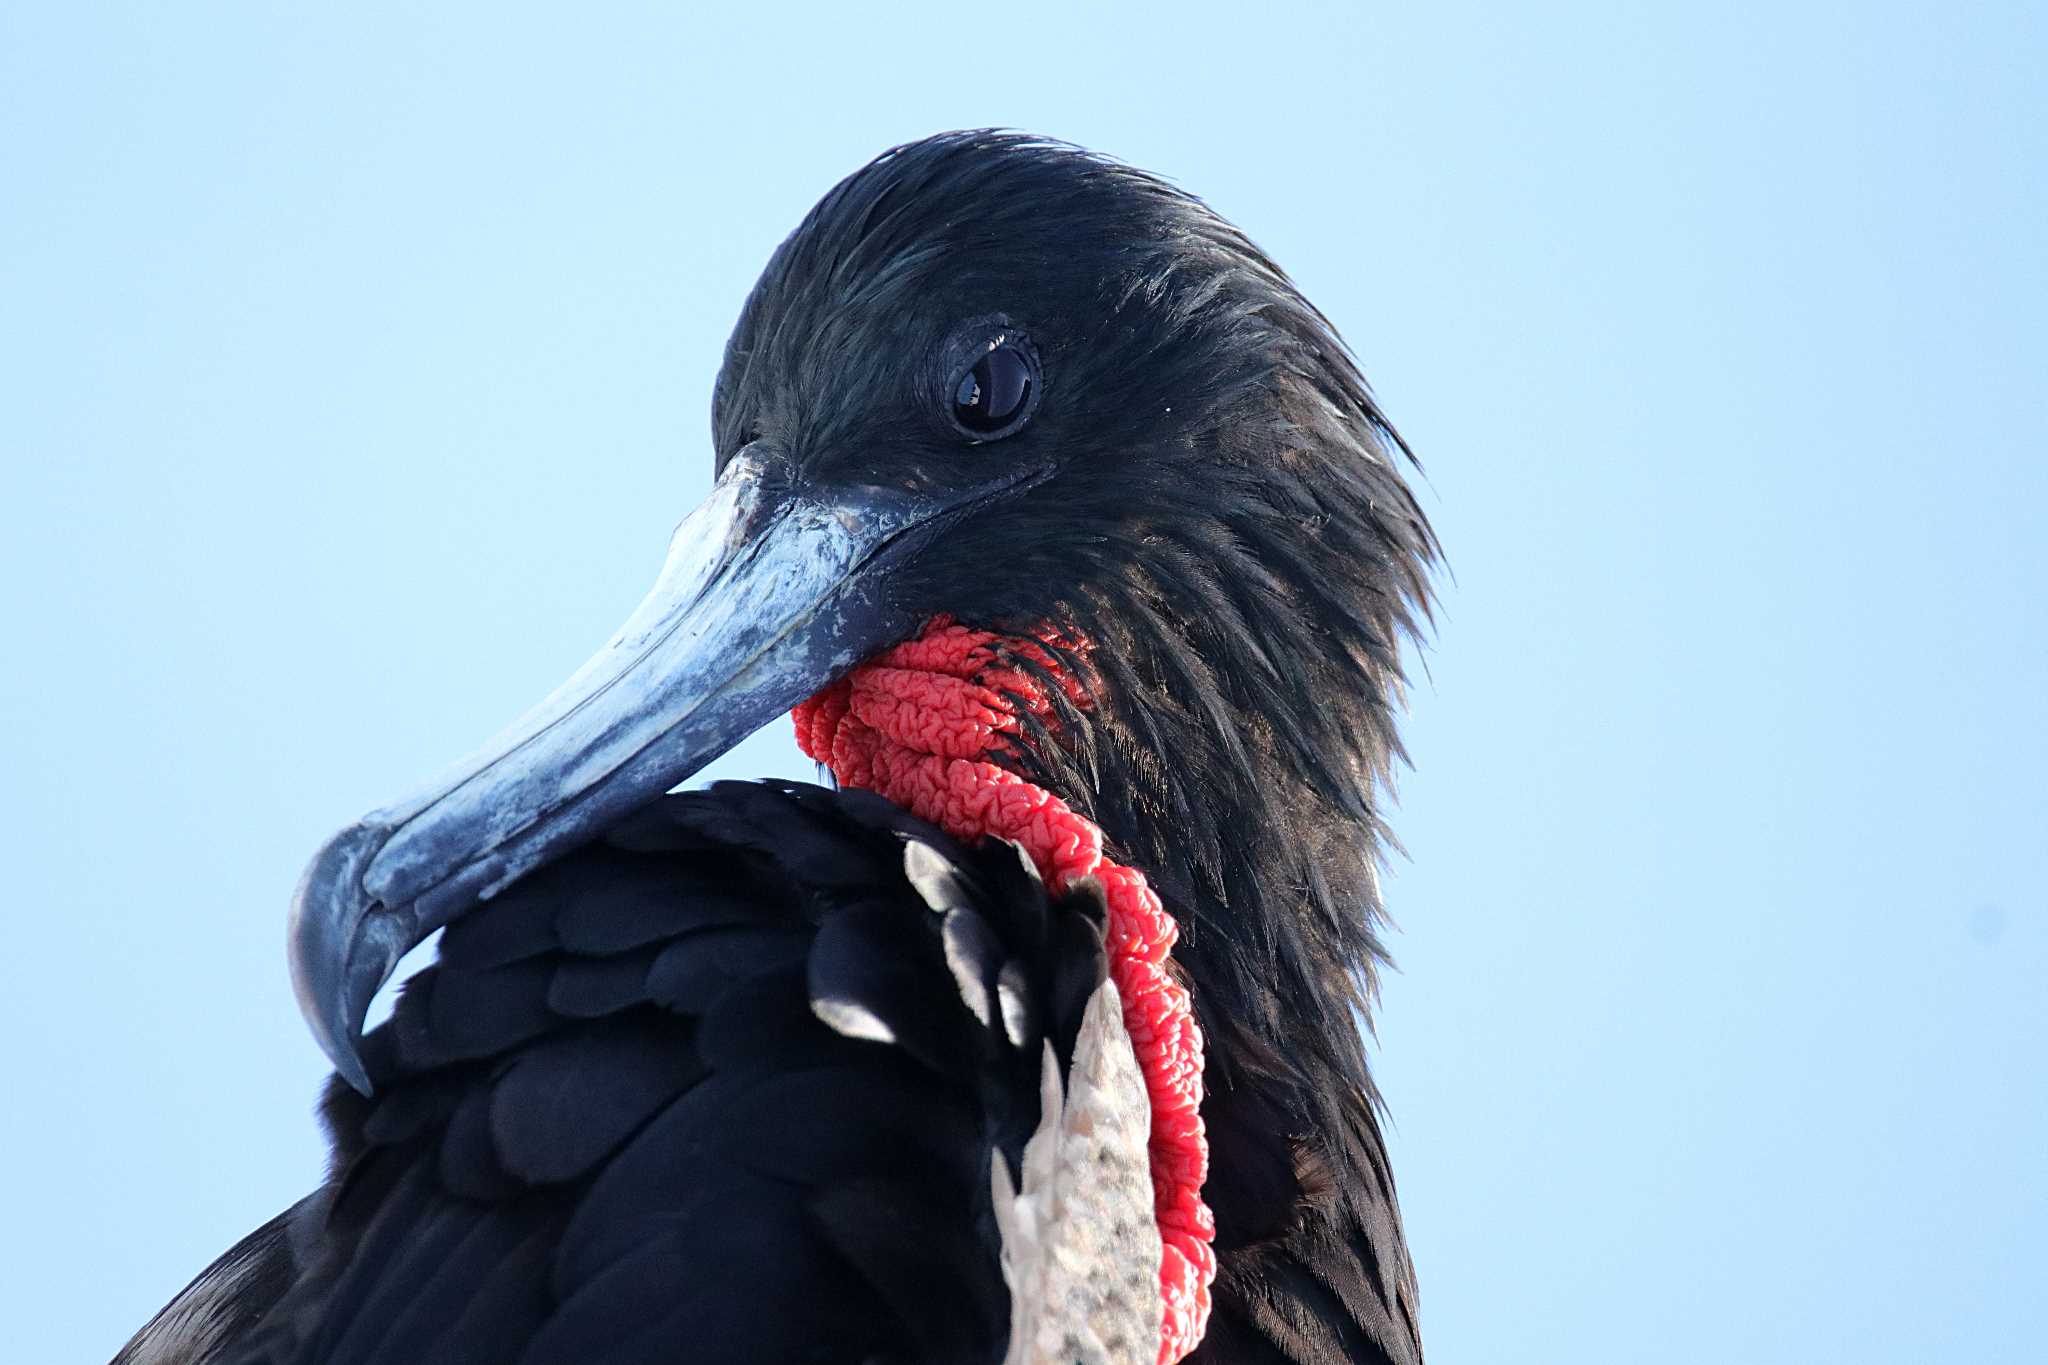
[(993, 393)]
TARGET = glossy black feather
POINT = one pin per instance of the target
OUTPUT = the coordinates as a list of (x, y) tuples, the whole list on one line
[(626, 1126), (224, 1304)]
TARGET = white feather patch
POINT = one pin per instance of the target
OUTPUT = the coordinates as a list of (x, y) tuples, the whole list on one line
[(931, 876), (1080, 1247)]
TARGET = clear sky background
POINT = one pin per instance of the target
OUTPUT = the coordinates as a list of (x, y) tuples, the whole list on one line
[(355, 364)]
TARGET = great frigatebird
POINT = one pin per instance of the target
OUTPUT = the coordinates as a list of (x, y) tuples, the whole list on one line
[(1074, 537)]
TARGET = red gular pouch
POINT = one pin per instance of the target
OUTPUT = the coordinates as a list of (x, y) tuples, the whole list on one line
[(927, 724)]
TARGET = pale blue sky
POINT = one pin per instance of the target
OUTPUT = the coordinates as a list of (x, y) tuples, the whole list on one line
[(354, 367)]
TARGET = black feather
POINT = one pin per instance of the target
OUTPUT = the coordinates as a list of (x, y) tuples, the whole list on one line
[(563, 1105), (637, 1140)]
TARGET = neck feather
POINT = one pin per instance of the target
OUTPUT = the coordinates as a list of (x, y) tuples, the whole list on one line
[(931, 725)]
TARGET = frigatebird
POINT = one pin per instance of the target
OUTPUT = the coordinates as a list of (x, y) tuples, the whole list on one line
[(1076, 542)]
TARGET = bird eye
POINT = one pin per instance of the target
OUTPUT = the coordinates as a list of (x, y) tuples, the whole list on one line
[(992, 396)]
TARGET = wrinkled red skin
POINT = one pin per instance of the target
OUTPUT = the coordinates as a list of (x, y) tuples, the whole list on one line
[(922, 724)]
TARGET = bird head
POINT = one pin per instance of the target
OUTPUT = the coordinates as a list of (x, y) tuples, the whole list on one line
[(1006, 381)]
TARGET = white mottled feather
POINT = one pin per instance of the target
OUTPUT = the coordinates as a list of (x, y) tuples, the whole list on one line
[(1080, 1247)]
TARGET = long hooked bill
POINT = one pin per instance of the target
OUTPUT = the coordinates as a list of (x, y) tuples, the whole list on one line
[(767, 595)]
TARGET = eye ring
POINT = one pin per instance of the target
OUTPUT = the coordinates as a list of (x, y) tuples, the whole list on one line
[(994, 386)]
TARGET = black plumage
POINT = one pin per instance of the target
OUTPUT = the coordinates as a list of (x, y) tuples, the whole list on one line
[(722, 1085), (689, 1163)]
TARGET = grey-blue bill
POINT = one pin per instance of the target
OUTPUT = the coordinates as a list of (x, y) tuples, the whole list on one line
[(768, 593)]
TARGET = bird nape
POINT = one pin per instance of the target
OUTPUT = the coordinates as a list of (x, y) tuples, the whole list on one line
[(1074, 537)]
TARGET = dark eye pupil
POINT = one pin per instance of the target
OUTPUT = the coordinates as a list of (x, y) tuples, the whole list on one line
[(993, 391)]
